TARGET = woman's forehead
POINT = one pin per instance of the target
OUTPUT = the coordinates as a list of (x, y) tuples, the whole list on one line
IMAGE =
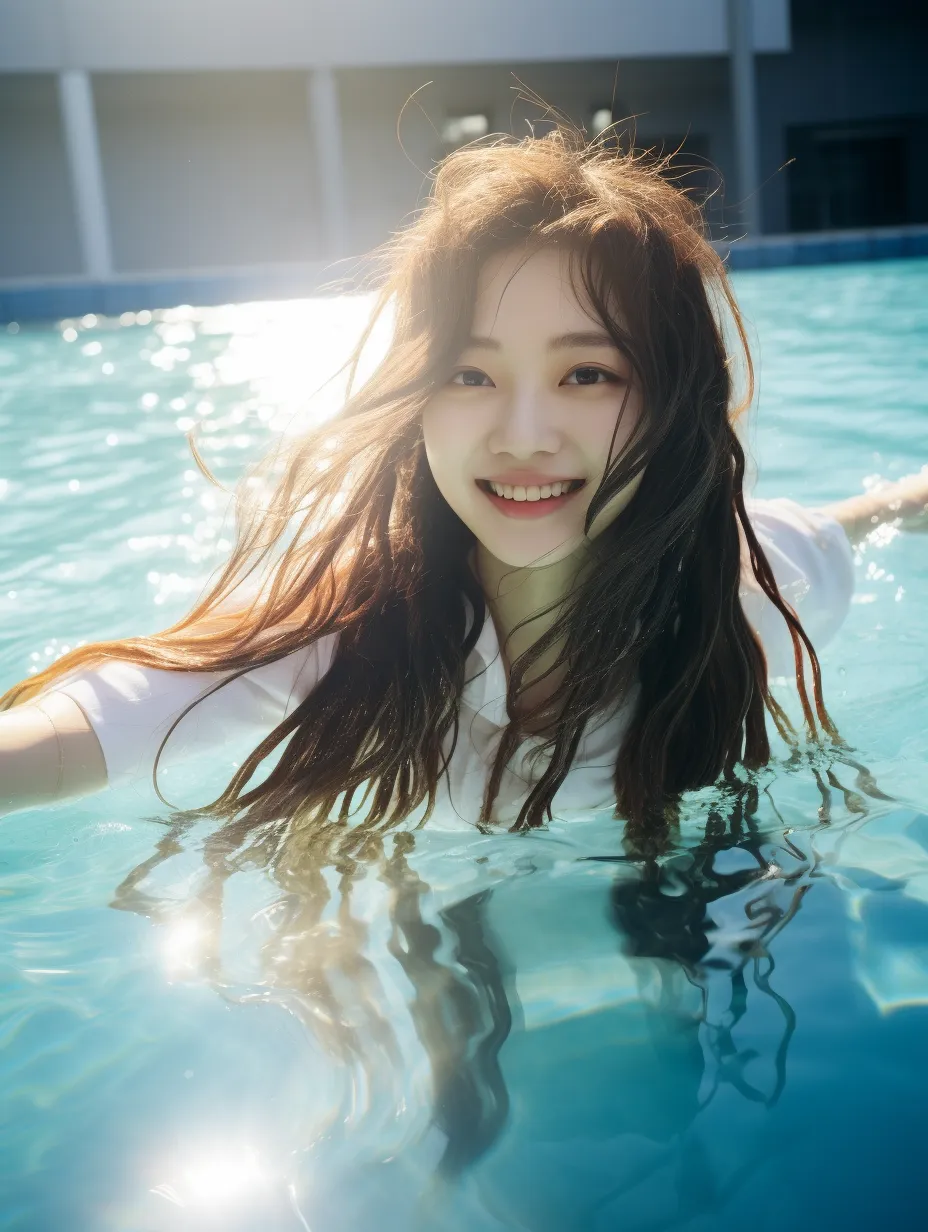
[(529, 289)]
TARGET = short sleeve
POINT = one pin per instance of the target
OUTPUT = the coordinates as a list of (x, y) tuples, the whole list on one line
[(131, 708), (813, 565)]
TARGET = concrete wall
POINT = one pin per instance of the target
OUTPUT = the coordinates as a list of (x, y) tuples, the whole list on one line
[(205, 137), (127, 35), (217, 170), (206, 170), (38, 234)]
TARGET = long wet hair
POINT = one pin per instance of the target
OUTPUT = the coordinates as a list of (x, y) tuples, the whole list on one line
[(356, 540)]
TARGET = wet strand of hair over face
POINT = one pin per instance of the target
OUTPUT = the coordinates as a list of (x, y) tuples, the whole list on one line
[(364, 546)]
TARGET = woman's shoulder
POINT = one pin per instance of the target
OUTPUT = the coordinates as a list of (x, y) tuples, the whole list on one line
[(132, 707), (813, 566), (806, 546)]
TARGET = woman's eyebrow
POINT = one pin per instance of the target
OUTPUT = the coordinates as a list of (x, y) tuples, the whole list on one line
[(589, 338), (561, 342)]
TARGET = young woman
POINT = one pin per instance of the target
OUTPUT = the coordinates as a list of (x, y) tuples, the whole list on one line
[(517, 573)]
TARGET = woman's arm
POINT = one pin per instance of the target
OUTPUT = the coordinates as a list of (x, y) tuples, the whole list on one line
[(111, 723), (48, 751), (905, 500)]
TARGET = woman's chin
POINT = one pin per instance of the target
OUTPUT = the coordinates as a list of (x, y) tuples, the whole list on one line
[(527, 551)]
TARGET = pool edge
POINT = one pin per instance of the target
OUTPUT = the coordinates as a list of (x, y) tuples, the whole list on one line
[(23, 300)]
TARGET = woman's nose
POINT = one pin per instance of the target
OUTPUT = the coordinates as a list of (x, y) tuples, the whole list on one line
[(525, 426)]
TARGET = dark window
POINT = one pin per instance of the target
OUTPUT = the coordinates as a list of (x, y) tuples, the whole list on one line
[(843, 14), (848, 175)]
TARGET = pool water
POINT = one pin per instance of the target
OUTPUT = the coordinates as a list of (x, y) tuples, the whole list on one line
[(474, 1031)]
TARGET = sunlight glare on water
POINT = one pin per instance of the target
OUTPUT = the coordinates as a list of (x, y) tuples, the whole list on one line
[(214, 1180)]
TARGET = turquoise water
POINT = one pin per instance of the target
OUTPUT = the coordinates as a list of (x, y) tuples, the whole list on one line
[(488, 1032)]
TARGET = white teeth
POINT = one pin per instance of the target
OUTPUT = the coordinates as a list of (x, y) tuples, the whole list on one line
[(533, 492)]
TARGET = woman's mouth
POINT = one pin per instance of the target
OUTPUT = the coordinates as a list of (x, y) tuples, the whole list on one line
[(529, 500)]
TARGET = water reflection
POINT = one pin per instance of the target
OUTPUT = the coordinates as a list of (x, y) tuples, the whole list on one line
[(416, 994), (461, 1008), (701, 915)]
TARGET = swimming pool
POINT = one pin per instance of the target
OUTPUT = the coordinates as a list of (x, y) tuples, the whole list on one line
[(563, 1046)]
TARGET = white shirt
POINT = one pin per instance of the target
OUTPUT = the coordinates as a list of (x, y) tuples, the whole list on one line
[(131, 708)]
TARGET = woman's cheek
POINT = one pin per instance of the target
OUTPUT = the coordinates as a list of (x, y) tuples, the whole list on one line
[(444, 432)]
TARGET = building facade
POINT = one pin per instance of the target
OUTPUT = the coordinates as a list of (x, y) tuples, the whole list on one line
[(198, 137)]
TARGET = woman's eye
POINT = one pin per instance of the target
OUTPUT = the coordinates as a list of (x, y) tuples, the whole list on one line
[(589, 376), (472, 377)]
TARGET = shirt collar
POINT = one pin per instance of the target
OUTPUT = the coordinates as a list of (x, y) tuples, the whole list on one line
[(485, 681), (485, 674)]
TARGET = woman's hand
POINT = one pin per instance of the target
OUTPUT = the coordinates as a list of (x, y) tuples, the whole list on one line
[(904, 503)]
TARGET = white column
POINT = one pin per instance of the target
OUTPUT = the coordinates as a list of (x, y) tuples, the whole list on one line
[(744, 111), (326, 124), (80, 131)]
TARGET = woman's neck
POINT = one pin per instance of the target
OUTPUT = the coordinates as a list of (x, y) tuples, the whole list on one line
[(524, 603)]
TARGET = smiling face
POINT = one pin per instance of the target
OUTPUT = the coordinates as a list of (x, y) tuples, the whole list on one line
[(520, 436)]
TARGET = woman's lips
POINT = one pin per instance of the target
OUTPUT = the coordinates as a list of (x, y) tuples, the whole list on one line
[(539, 508)]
